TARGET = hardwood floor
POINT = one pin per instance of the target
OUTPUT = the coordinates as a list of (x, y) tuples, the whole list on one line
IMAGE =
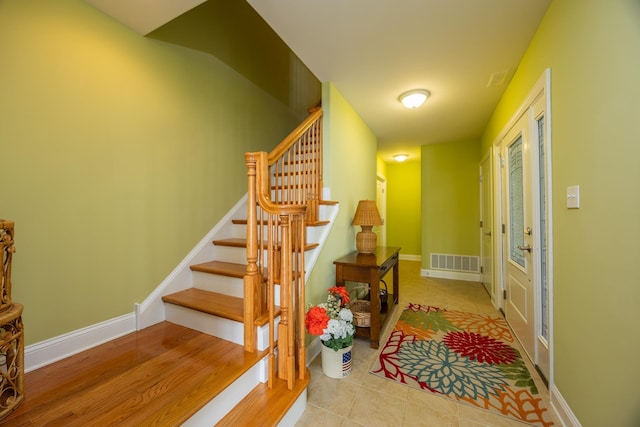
[(159, 376)]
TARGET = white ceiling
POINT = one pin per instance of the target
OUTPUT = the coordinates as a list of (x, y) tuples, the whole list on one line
[(373, 50)]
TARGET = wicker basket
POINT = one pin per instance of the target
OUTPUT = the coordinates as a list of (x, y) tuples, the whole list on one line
[(361, 308)]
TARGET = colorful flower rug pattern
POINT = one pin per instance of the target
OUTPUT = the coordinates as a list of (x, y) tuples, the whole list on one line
[(462, 356)]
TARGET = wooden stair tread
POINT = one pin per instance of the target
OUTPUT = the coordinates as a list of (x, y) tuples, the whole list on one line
[(237, 242), (220, 305), (265, 406), (161, 375), (308, 223), (222, 268)]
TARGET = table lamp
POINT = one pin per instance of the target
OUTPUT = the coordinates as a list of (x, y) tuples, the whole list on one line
[(367, 217)]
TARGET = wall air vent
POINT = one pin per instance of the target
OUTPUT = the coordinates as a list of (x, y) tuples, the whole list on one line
[(455, 262)]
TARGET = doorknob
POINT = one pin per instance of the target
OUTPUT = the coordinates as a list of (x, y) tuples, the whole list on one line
[(525, 248)]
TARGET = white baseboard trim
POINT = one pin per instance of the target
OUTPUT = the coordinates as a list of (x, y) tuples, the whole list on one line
[(408, 257), (46, 352), (456, 275), (562, 409)]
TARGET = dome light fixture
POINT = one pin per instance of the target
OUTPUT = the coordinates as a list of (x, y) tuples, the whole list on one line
[(401, 157), (414, 98)]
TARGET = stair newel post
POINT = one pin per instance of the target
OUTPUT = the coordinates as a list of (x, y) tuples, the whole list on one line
[(300, 294), (286, 362), (252, 277)]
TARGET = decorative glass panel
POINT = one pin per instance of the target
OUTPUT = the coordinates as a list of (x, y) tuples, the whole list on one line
[(543, 232), (516, 203)]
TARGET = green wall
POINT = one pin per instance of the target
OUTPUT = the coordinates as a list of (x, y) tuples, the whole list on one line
[(450, 199), (593, 50), (346, 137), (119, 153), (403, 206)]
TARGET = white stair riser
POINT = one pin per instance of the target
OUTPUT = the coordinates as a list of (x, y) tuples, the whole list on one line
[(231, 254), (216, 409), (220, 327), (217, 283), (213, 325)]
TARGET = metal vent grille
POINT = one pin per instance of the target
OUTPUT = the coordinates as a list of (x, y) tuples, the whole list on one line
[(455, 262)]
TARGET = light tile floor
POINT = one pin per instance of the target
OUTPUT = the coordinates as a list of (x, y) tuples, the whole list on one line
[(363, 399)]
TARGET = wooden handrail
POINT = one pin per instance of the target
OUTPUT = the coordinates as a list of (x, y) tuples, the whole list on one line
[(286, 143), (284, 193)]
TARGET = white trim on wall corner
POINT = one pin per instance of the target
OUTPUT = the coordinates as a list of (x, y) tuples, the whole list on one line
[(408, 257), (562, 409), (151, 310), (456, 275), (57, 348)]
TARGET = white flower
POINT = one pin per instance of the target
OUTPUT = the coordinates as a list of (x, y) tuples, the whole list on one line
[(346, 315)]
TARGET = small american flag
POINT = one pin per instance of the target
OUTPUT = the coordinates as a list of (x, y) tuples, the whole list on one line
[(346, 363)]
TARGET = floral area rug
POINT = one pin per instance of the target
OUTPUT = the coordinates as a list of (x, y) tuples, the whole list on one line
[(470, 358)]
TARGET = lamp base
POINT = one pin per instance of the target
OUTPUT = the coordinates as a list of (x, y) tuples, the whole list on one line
[(366, 241)]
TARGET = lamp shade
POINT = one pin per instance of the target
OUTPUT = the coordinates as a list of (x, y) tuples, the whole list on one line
[(367, 214)]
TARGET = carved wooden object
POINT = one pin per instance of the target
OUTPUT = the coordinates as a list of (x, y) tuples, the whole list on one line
[(11, 330)]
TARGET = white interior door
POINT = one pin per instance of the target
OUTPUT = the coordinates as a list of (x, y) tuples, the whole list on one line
[(518, 253), (381, 202), (486, 227)]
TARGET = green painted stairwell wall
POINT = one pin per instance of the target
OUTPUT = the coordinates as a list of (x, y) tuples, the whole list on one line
[(118, 154)]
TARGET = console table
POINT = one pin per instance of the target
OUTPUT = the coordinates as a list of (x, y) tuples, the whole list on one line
[(371, 268)]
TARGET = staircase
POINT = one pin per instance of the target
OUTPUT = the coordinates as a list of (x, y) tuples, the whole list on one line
[(245, 282)]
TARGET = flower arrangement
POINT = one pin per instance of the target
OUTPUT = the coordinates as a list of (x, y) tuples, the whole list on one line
[(332, 321)]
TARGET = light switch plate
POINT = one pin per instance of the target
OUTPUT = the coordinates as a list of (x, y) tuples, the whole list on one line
[(573, 197)]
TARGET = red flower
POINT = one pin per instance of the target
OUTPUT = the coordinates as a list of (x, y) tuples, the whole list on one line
[(342, 293), (316, 320), (481, 348)]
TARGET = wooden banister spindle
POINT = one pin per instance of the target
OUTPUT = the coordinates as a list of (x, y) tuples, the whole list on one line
[(284, 192), (252, 277)]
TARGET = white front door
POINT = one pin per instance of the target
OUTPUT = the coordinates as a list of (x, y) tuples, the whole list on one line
[(542, 237), (518, 247), (524, 262)]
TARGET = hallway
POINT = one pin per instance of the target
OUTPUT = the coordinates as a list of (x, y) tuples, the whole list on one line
[(363, 399)]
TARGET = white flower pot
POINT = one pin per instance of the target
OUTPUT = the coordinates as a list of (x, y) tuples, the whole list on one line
[(336, 364)]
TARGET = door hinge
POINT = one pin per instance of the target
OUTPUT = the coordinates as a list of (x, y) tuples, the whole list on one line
[(481, 223), (504, 294), (481, 269), (503, 229)]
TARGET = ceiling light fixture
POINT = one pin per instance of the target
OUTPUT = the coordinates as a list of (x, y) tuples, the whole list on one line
[(414, 98), (400, 157)]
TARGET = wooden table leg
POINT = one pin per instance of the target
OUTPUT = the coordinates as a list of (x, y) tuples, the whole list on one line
[(374, 286)]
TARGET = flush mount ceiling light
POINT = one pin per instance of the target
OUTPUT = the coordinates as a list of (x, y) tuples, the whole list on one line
[(414, 98), (400, 157)]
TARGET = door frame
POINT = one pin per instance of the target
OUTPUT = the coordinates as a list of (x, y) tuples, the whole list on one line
[(487, 174), (541, 88), (381, 198)]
